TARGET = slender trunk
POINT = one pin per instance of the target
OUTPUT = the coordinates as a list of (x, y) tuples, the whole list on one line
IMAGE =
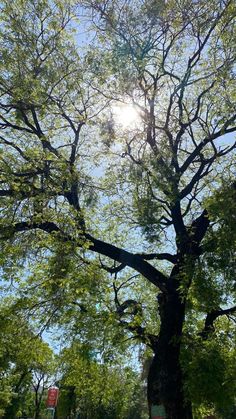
[(37, 413), (38, 398), (165, 381)]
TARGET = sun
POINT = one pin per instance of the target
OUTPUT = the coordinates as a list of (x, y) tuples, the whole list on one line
[(126, 115)]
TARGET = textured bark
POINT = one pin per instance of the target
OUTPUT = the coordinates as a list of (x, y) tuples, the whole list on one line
[(165, 381)]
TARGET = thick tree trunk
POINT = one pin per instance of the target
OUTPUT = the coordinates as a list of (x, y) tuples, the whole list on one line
[(165, 382)]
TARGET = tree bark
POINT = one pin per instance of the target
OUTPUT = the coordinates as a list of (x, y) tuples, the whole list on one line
[(165, 381)]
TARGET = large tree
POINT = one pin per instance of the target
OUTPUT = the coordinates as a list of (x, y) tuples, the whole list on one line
[(80, 187)]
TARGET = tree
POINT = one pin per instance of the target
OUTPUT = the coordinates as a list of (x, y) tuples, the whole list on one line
[(23, 355), (174, 63), (96, 389)]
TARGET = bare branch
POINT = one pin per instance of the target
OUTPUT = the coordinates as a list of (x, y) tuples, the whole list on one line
[(224, 130), (158, 256)]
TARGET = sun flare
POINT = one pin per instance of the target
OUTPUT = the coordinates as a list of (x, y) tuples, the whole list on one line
[(126, 115)]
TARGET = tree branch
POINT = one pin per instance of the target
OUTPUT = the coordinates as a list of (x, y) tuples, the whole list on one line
[(159, 256), (98, 246), (199, 227), (224, 130), (211, 317), (129, 259)]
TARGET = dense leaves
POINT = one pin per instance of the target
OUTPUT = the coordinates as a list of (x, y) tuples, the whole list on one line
[(24, 360), (112, 231)]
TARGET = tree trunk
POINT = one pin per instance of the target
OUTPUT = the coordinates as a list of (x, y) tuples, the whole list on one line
[(165, 382), (37, 403), (37, 412)]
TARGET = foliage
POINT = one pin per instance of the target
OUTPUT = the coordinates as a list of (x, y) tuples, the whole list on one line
[(100, 390), (210, 367), (23, 356), (97, 217)]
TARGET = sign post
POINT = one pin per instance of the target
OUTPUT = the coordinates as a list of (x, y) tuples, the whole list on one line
[(52, 399), (52, 412)]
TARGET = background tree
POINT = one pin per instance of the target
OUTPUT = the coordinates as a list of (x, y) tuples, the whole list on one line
[(23, 355), (172, 61), (97, 389)]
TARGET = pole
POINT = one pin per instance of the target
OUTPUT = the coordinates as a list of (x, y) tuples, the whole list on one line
[(52, 411)]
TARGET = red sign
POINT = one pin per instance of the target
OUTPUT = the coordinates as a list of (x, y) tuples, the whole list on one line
[(52, 397)]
